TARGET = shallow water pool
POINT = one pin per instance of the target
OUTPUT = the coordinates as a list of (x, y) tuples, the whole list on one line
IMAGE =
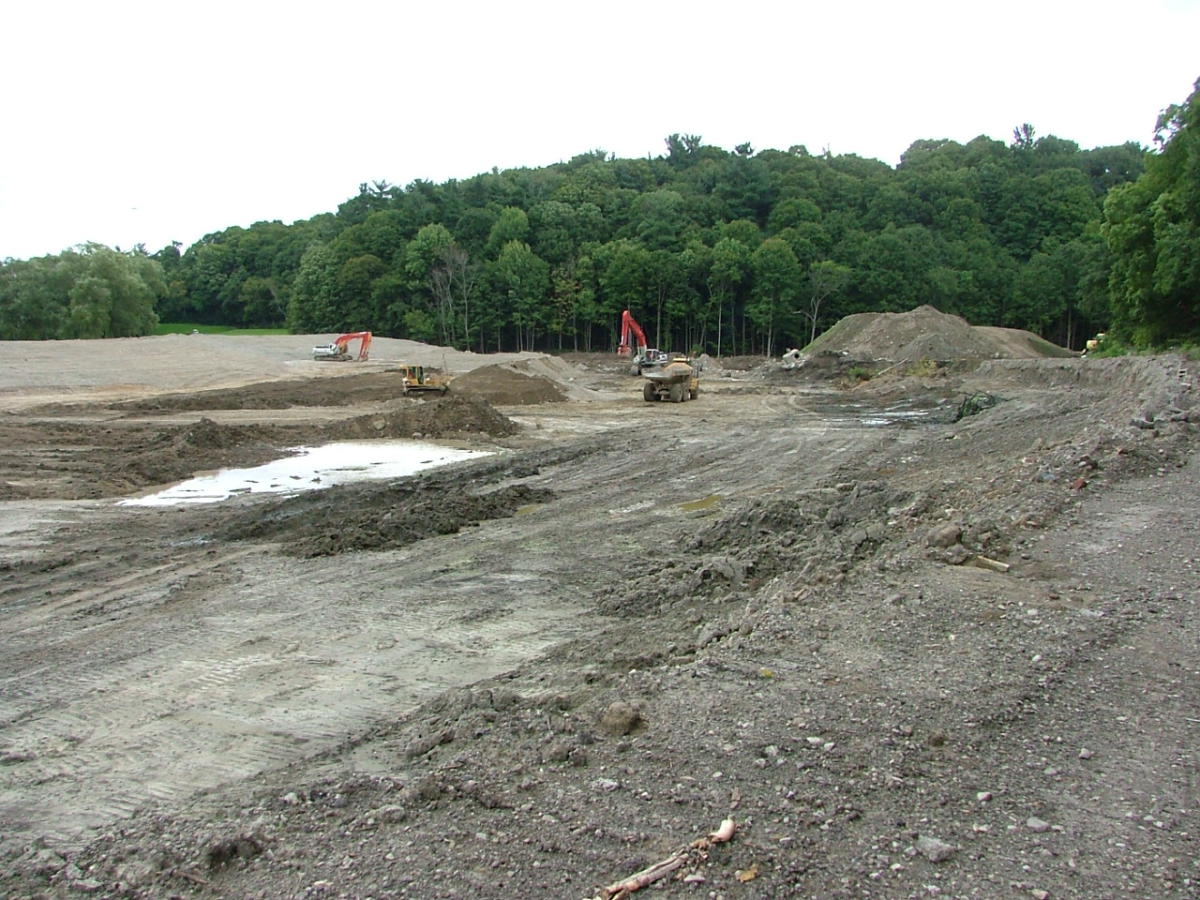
[(312, 468)]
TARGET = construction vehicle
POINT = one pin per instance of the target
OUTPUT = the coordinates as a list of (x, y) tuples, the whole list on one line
[(1094, 344), (339, 349), (677, 381), (416, 380), (646, 357)]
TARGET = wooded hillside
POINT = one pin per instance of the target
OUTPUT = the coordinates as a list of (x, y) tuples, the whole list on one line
[(723, 251)]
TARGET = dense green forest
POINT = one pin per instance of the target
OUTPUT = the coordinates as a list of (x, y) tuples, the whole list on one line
[(726, 252), (91, 291)]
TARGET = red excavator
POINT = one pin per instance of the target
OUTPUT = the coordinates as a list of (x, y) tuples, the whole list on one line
[(339, 350), (646, 357)]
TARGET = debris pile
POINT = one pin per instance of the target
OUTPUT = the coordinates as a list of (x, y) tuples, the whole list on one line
[(453, 414)]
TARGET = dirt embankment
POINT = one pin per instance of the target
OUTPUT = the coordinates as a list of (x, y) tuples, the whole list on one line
[(111, 455), (350, 388), (397, 514), (34, 373)]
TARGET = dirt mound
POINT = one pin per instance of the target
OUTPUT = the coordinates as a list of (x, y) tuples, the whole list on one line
[(453, 414), (207, 435), (926, 333), (826, 532), (383, 518), (330, 390), (1017, 344), (387, 515), (178, 452), (507, 386), (119, 458), (608, 363)]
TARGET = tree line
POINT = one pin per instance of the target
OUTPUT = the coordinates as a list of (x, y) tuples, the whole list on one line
[(91, 291), (722, 251)]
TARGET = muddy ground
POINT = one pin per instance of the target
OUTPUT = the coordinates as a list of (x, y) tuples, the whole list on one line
[(908, 656)]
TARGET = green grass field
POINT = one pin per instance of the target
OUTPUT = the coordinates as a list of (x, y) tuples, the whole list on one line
[(189, 327)]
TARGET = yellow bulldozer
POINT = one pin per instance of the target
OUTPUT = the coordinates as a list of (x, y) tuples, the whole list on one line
[(416, 380)]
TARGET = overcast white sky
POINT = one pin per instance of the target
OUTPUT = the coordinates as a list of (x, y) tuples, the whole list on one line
[(127, 122)]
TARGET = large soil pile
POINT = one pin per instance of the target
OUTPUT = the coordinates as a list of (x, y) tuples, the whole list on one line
[(538, 379), (451, 415), (926, 333), (506, 386)]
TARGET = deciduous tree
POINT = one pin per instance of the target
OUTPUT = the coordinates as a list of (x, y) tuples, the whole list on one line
[(91, 291), (1152, 227), (825, 280), (776, 280)]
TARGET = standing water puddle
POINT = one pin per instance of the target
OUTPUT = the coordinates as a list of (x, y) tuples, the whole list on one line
[(312, 469), (841, 414)]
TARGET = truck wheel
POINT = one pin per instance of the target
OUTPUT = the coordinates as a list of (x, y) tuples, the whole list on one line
[(694, 392), (648, 392), (677, 393)]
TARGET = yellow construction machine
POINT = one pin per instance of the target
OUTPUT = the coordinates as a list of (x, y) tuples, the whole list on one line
[(676, 381), (417, 380)]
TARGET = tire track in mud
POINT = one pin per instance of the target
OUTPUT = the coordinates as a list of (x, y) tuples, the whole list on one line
[(200, 668), (209, 689), (150, 581), (67, 720)]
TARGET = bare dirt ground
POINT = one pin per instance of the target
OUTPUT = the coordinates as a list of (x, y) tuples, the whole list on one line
[(908, 656)]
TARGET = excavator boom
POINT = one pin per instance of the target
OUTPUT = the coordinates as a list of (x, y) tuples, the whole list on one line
[(339, 349), (364, 346), (645, 356), (630, 326)]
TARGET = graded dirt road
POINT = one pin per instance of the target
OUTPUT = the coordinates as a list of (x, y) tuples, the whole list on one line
[(906, 655)]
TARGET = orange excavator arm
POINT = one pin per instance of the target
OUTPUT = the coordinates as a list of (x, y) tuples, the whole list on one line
[(364, 346), (629, 326)]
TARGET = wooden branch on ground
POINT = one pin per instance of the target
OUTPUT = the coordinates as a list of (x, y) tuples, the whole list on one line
[(695, 852), (192, 877), (993, 564)]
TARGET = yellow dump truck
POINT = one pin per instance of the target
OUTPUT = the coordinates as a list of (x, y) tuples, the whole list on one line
[(677, 381)]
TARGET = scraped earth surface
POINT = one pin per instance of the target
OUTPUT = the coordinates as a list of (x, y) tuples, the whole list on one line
[(910, 655)]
